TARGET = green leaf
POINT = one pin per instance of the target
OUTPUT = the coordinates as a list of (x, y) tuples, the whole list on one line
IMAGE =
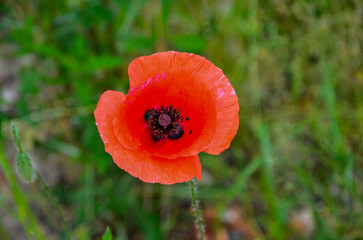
[(107, 235), (24, 167)]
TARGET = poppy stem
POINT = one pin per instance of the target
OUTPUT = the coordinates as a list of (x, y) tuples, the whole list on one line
[(52, 199), (197, 211)]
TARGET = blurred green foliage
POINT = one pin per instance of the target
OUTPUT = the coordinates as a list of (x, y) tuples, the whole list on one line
[(294, 170)]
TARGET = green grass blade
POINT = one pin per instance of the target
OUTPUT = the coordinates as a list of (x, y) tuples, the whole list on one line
[(2, 232), (276, 228), (107, 235)]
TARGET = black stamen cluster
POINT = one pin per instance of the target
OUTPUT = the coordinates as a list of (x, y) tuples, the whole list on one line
[(159, 129)]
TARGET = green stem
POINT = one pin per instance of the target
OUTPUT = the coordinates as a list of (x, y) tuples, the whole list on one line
[(197, 211), (52, 199), (16, 136), (25, 214), (2, 232)]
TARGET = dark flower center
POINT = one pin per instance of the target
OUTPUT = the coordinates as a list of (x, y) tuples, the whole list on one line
[(165, 122)]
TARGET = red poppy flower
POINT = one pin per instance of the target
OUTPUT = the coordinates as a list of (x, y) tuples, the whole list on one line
[(178, 105)]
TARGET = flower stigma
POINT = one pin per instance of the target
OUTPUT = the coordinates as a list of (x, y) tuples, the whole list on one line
[(165, 122)]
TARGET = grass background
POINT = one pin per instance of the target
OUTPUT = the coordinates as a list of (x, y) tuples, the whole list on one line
[(294, 170)]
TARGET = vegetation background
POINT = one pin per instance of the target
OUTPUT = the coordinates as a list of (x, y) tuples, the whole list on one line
[(294, 170)]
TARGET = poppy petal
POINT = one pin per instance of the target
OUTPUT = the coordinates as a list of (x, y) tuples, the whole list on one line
[(139, 163), (110, 103), (142, 68), (227, 109), (153, 169), (196, 104), (204, 73)]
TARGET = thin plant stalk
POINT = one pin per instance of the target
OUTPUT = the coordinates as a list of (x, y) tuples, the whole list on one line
[(197, 211), (52, 199), (25, 214)]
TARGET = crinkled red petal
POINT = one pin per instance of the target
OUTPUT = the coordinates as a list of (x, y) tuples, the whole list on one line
[(188, 68), (194, 102), (140, 163), (153, 169)]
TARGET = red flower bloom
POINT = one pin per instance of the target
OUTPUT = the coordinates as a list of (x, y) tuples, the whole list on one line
[(178, 105)]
